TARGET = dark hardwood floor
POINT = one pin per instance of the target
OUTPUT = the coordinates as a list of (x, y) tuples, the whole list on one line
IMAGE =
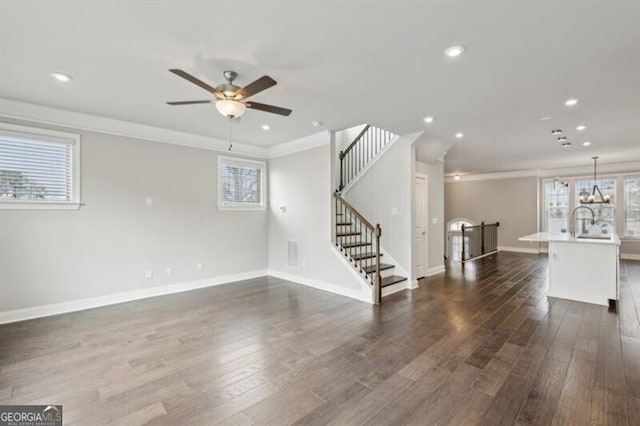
[(481, 345)]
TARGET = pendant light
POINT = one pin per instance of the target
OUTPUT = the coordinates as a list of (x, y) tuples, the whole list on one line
[(586, 198)]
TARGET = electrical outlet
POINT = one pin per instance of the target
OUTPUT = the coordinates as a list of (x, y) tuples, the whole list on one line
[(394, 211), (200, 267), (148, 274), (434, 220), (169, 271), (148, 201)]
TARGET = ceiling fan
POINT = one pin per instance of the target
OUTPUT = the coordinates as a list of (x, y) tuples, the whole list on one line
[(230, 99)]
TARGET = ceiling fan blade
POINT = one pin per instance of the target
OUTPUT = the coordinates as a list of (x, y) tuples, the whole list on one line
[(268, 108), (193, 80), (189, 102), (263, 83)]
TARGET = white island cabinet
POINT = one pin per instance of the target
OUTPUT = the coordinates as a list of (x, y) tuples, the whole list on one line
[(582, 269)]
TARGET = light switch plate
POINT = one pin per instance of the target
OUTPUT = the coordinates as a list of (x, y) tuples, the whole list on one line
[(394, 211)]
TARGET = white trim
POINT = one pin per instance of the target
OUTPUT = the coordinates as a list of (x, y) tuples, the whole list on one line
[(370, 164), (39, 205), (298, 145), (604, 168), (241, 162), (112, 299), (519, 249), (629, 256), (435, 270), (412, 285), (492, 176), (72, 140), (322, 285), (394, 288), (57, 117)]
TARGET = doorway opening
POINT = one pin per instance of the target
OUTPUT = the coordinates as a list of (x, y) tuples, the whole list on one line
[(454, 237)]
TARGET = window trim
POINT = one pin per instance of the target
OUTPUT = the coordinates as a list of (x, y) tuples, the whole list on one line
[(624, 235), (55, 136), (262, 165)]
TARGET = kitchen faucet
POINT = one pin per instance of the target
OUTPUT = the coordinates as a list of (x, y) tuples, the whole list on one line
[(572, 223)]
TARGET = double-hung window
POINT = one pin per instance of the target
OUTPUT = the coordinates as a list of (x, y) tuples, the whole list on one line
[(632, 207), (241, 183), (556, 206), (605, 214), (38, 168)]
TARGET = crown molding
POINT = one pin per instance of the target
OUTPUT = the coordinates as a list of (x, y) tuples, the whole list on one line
[(298, 145), (586, 170), (492, 176), (18, 110)]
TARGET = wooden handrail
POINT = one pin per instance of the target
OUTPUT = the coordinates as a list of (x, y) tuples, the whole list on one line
[(355, 141), (354, 211)]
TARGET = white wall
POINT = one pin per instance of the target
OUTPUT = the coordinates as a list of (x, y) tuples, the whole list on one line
[(49, 257), (435, 211), (386, 186), (301, 182)]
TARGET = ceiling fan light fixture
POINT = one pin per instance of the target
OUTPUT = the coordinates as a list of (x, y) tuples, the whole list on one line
[(230, 108)]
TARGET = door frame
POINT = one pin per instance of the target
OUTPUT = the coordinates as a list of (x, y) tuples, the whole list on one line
[(425, 220)]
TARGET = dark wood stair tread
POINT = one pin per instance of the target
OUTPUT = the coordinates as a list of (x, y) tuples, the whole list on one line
[(372, 268), (347, 234), (392, 279), (344, 223), (367, 255), (355, 244)]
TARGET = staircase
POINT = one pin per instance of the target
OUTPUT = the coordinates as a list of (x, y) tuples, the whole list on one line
[(356, 238)]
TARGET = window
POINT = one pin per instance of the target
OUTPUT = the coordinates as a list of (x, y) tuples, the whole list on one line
[(556, 206), (632, 207), (605, 214), (241, 183), (38, 168)]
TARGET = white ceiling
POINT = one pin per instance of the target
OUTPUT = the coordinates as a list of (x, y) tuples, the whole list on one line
[(345, 64)]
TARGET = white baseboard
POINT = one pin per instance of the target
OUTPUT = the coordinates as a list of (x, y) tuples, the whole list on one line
[(435, 270), (519, 249), (112, 299), (629, 256), (362, 295)]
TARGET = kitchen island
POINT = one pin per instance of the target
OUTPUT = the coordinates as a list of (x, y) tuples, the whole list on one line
[(582, 268)]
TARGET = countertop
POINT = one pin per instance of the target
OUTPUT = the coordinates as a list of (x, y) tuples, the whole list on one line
[(544, 237)]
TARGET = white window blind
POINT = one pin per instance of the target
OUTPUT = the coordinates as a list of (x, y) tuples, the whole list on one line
[(34, 168), (632, 207), (241, 183), (39, 168)]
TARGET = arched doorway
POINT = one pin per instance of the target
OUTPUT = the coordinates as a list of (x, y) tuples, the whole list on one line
[(454, 237)]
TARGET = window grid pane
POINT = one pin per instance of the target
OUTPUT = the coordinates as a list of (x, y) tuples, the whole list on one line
[(241, 185), (632, 207), (604, 213), (557, 207), (35, 171)]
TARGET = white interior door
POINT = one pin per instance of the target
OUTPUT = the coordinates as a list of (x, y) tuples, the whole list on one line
[(420, 244)]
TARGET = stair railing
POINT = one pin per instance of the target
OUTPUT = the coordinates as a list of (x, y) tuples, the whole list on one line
[(364, 148), (360, 241), (479, 240)]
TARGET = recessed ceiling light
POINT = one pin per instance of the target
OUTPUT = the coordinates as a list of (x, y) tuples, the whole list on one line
[(571, 102), (265, 127), (581, 127), (459, 135), (566, 144), (562, 139), (556, 132), (316, 123), (428, 119), (60, 76), (586, 143), (456, 177), (545, 118), (454, 51)]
